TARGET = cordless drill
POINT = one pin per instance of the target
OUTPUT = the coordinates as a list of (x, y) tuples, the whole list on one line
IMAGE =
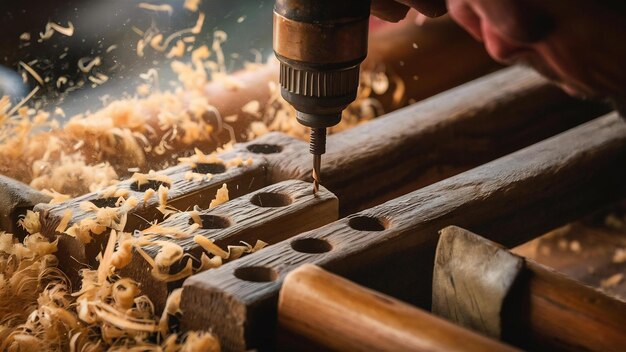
[(320, 45)]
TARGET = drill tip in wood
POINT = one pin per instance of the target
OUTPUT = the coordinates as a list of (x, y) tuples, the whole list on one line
[(317, 161)]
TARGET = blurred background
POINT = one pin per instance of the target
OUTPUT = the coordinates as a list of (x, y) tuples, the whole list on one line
[(109, 31)]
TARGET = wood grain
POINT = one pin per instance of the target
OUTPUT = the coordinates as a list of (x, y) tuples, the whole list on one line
[(509, 200), (183, 195), (439, 137), (340, 315), (472, 279), (543, 310), (247, 222)]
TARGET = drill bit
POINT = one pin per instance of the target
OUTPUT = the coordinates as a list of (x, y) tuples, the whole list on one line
[(317, 147)]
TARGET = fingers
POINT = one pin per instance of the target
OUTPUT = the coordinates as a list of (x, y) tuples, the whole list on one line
[(389, 10), (396, 10), (430, 8)]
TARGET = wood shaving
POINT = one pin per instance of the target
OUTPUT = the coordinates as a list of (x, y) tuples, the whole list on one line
[(52, 27), (221, 197), (612, 281), (619, 256), (192, 5), (157, 8)]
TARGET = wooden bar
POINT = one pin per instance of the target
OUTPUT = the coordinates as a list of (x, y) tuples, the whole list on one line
[(183, 194), (390, 248), (271, 214), (337, 314), (543, 310), (435, 139)]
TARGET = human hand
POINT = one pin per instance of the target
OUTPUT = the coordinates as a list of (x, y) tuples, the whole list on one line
[(395, 10)]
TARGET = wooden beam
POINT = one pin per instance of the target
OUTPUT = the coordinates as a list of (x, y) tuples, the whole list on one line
[(337, 314), (542, 310), (435, 139), (183, 194), (271, 214), (390, 248)]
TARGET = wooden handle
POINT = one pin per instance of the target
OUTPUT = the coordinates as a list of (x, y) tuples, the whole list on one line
[(338, 314)]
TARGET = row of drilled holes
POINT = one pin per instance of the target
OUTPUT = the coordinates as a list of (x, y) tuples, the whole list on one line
[(201, 168), (308, 245)]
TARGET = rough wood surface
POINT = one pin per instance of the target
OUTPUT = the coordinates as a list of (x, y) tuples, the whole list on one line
[(472, 279), (562, 314), (390, 248), (436, 138), (183, 195), (588, 251), (15, 199), (244, 221), (544, 310), (340, 315)]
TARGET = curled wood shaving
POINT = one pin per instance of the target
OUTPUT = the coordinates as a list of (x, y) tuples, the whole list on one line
[(65, 220), (30, 222), (221, 197), (210, 247), (52, 27), (157, 8)]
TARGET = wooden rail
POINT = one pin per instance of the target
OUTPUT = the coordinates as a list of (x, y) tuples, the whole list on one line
[(510, 200), (271, 214), (541, 310), (330, 312)]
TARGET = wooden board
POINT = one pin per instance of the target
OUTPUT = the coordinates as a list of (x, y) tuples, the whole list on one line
[(334, 313), (390, 248), (271, 214), (434, 139), (183, 195), (543, 310)]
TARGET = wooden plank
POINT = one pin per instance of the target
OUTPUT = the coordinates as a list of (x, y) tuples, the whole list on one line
[(435, 139), (183, 194), (544, 310), (271, 214), (340, 315), (390, 248), (587, 250)]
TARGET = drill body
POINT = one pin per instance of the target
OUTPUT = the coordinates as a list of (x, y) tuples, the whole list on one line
[(320, 45)]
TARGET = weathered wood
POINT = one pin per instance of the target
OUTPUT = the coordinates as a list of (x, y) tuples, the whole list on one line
[(338, 314), (436, 138), (271, 214), (557, 313), (15, 199), (390, 248), (183, 194), (544, 310), (587, 250), (472, 279)]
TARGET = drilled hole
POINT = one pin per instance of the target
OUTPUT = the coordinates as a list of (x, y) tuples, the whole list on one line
[(105, 202), (151, 184), (366, 223), (311, 245), (271, 200), (256, 274), (265, 148), (209, 168), (212, 222)]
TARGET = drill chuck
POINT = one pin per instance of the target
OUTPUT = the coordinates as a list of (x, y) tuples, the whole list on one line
[(320, 45)]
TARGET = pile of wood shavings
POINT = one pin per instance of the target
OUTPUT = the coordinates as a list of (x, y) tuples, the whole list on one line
[(40, 312)]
